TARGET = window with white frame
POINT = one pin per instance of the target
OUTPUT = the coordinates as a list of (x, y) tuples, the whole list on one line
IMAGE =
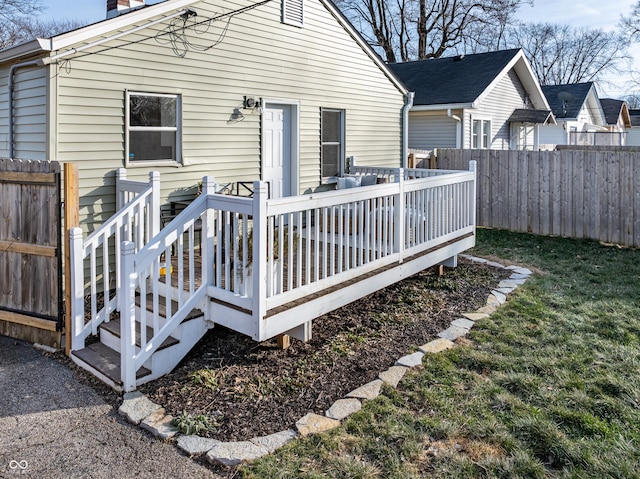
[(293, 12), (481, 134), (153, 128), (332, 142)]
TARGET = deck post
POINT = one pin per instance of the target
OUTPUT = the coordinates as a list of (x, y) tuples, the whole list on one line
[(128, 317), (154, 213), (398, 217), (473, 166), (77, 289), (352, 164), (121, 174), (259, 256), (209, 188)]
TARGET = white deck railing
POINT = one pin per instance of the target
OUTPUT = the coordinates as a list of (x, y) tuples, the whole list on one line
[(96, 260), (259, 254)]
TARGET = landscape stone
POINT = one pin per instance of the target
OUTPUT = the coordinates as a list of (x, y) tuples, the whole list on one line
[(193, 445), (517, 282), (368, 391), (453, 332), (502, 298), (393, 375), (136, 407), (437, 345), (479, 260), (275, 441), (519, 276), (488, 309), (410, 360), (526, 271), (463, 323), (234, 453), (495, 265), (507, 283), (505, 290), (343, 408), (314, 423), (475, 316), (493, 301), (159, 424)]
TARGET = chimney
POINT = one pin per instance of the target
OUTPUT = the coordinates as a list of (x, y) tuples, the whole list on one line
[(118, 7)]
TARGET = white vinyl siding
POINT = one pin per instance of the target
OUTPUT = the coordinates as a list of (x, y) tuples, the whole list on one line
[(319, 66), (507, 95), (293, 12), (428, 131)]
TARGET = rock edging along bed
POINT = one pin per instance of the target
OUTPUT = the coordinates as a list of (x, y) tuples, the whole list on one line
[(141, 411)]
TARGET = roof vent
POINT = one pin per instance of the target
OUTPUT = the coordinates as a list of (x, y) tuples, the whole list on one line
[(458, 58)]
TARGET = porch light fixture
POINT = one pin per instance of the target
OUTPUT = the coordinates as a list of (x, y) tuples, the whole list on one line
[(251, 103)]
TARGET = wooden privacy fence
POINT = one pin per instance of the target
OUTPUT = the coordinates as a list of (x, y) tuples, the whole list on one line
[(31, 304), (577, 194)]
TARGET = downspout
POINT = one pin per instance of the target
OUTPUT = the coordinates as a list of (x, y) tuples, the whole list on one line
[(32, 63), (408, 104), (458, 127)]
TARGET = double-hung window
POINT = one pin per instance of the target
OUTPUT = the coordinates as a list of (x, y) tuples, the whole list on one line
[(481, 134), (153, 128), (332, 142)]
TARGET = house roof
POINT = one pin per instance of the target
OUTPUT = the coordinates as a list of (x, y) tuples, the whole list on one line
[(635, 117), (66, 43), (566, 101), (527, 115), (463, 80), (614, 110)]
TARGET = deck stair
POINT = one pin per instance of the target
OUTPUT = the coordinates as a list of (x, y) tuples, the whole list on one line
[(102, 358)]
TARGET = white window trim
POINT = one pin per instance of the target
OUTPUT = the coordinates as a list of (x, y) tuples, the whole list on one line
[(482, 133), (177, 129), (286, 19), (343, 158)]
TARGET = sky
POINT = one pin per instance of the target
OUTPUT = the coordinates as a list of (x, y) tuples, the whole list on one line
[(603, 14)]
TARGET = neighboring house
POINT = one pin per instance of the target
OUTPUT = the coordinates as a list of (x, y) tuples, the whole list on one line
[(580, 117), (280, 90), (488, 100), (633, 133), (618, 118)]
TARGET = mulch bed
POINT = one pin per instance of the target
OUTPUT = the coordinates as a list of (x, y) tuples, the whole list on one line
[(250, 389)]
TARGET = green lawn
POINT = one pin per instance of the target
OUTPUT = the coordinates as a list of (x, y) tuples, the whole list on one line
[(548, 387)]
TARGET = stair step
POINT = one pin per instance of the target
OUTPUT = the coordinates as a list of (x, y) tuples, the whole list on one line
[(106, 361), (113, 327), (162, 307)]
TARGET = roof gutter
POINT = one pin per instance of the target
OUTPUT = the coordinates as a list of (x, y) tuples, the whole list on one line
[(408, 103)]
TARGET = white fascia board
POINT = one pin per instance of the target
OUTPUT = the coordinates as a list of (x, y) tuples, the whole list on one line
[(102, 28), (34, 47), (443, 106), (337, 14)]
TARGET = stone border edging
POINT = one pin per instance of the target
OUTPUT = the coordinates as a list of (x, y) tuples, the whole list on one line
[(139, 410)]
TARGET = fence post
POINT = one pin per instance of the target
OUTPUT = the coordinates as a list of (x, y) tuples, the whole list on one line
[(259, 265), (473, 165), (398, 216), (154, 221), (209, 188), (76, 274), (128, 317), (121, 174), (71, 220)]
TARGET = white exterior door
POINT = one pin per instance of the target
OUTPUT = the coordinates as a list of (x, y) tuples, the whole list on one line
[(276, 158)]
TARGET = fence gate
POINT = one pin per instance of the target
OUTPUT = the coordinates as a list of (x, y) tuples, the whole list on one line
[(31, 298)]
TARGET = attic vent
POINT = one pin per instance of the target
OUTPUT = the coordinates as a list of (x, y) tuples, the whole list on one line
[(293, 12), (458, 58)]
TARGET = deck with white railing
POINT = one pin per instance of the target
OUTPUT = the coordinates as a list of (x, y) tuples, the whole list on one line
[(263, 267)]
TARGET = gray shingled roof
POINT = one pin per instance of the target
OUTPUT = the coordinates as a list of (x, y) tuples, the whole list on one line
[(612, 109), (459, 79), (526, 115), (567, 100)]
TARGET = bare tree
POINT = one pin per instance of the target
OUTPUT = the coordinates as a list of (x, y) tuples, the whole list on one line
[(18, 22), (631, 24), (560, 54), (419, 29)]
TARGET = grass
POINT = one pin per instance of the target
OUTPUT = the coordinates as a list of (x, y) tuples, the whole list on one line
[(548, 387)]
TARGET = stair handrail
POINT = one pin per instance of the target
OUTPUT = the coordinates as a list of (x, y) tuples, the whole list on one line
[(142, 270), (138, 220)]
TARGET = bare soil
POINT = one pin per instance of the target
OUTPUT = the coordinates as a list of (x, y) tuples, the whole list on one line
[(249, 389)]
